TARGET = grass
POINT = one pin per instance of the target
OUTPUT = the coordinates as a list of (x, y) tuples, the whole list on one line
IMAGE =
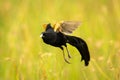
[(24, 56)]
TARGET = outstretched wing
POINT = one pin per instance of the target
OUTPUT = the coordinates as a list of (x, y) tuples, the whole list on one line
[(66, 26)]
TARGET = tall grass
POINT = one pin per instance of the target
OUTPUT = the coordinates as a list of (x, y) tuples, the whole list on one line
[(24, 56)]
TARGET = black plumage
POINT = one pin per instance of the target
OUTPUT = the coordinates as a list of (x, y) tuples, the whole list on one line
[(59, 39)]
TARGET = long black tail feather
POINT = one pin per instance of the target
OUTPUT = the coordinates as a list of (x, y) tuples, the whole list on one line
[(82, 47)]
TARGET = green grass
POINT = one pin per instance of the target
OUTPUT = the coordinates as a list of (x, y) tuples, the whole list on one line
[(24, 56)]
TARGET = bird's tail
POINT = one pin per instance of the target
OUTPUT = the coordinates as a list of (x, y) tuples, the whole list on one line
[(82, 47)]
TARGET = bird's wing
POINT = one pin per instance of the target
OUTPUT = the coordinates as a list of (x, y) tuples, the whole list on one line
[(66, 26)]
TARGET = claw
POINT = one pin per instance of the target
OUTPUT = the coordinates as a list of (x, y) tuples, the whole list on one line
[(68, 52), (69, 56), (67, 61)]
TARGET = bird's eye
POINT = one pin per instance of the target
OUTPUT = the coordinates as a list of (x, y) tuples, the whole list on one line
[(44, 34)]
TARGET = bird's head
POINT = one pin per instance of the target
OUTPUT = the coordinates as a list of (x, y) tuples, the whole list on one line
[(48, 31), (48, 35)]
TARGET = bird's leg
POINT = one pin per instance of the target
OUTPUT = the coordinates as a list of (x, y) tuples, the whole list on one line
[(64, 56), (68, 52)]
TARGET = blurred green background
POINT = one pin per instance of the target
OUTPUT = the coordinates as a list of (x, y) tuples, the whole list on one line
[(24, 56)]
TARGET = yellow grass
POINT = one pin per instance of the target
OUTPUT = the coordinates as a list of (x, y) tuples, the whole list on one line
[(24, 56)]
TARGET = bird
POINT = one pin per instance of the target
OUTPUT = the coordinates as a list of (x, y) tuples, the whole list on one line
[(58, 35)]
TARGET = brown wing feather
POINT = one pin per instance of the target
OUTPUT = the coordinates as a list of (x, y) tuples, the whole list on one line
[(66, 26)]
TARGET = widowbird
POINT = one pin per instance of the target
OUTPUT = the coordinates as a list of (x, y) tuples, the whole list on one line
[(57, 36)]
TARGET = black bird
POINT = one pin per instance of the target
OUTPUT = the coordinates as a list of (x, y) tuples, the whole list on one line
[(56, 36)]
